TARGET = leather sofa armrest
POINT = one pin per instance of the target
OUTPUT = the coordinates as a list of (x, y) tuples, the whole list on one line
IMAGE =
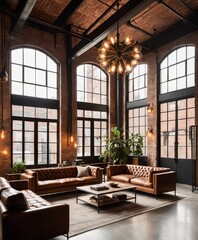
[(96, 172), (32, 179), (164, 182), (19, 184), (39, 223)]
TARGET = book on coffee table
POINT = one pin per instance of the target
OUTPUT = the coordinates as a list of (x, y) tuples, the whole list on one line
[(99, 187)]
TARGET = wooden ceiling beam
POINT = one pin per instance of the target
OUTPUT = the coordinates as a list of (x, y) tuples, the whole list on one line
[(24, 9), (125, 13)]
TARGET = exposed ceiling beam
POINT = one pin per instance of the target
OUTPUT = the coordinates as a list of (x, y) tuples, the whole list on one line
[(140, 29), (24, 9), (195, 25), (171, 34), (125, 13), (101, 16), (67, 12)]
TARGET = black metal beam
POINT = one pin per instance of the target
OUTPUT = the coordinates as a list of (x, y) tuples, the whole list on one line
[(24, 9), (68, 11), (125, 13), (140, 29), (171, 34), (195, 25), (101, 16)]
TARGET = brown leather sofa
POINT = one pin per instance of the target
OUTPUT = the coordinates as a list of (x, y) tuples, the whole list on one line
[(25, 215), (60, 179), (154, 180)]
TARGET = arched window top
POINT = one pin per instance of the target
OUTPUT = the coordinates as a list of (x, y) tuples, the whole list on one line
[(177, 70), (34, 73), (137, 88), (91, 84)]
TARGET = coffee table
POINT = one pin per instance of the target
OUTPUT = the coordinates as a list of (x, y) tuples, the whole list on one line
[(100, 198)]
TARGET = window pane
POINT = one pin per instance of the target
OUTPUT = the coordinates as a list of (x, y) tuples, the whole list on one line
[(40, 60), (29, 57), (16, 56), (51, 65), (29, 90), (41, 92), (17, 88), (29, 112), (17, 73), (29, 75), (41, 77)]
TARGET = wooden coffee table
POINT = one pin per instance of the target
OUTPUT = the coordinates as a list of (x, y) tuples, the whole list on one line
[(100, 198)]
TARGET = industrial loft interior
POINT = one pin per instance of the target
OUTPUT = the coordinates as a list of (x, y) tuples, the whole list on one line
[(95, 91)]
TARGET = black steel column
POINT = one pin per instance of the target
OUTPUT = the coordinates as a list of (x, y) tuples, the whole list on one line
[(119, 101), (68, 42)]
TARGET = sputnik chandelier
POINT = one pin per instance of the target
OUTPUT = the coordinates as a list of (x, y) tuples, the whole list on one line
[(120, 57)]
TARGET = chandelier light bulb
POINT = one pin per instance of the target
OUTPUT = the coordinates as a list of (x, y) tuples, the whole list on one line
[(113, 68), (106, 44), (102, 50), (137, 55), (128, 40), (128, 67), (120, 68), (112, 39), (104, 63), (137, 48), (102, 56), (134, 62)]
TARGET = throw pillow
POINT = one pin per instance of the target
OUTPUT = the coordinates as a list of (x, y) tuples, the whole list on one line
[(14, 199), (3, 184), (82, 171)]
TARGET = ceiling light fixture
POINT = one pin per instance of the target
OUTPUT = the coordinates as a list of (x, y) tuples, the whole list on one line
[(120, 57)]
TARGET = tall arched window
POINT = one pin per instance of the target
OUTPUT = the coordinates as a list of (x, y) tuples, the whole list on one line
[(177, 106), (137, 102), (92, 109), (35, 104)]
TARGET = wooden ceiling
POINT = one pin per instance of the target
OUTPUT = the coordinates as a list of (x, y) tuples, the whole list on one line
[(150, 22)]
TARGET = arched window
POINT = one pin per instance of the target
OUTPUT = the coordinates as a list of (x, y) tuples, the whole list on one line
[(177, 70), (137, 102), (92, 109), (34, 89), (177, 104)]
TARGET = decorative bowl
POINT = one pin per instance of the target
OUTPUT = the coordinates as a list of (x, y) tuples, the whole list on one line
[(113, 184)]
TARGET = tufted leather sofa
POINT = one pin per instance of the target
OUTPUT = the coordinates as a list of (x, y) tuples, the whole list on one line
[(60, 179), (36, 219), (154, 180)]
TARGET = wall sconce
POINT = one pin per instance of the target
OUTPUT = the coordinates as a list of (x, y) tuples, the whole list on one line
[(149, 108), (149, 132), (75, 145), (71, 138), (2, 133)]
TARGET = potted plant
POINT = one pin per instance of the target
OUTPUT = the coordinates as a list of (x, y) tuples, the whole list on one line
[(16, 170), (118, 149), (137, 145)]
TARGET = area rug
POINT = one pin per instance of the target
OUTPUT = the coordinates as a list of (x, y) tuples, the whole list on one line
[(84, 217)]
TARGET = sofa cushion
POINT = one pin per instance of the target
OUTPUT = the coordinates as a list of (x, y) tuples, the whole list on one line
[(14, 199), (82, 171), (141, 181), (122, 177), (4, 184)]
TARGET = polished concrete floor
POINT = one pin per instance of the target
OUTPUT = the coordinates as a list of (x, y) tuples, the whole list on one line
[(178, 221)]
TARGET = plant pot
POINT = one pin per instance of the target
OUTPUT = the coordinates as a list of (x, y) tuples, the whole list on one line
[(13, 176)]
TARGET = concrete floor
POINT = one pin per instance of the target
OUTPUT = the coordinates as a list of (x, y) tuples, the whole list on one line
[(178, 221)]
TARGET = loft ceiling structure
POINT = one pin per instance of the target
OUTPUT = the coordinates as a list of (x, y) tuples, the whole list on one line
[(151, 22)]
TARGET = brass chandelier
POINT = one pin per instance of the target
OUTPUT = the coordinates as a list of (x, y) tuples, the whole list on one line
[(120, 57)]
